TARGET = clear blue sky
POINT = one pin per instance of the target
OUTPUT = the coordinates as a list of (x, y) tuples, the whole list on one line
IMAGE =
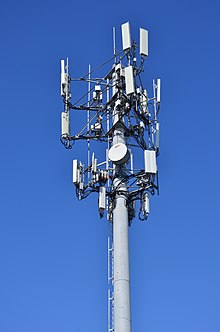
[(53, 259)]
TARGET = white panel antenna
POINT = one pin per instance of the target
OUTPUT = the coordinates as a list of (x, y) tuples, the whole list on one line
[(158, 89), (65, 123), (150, 161), (157, 135), (146, 204), (143, 42), (63, 78), (102, 194), (126, 36), (129, 80), (62, 71), (102, 199), (75, 171), (94, 163)]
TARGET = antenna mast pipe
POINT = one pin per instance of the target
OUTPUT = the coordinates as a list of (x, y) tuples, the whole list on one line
[(121, 270), (121, 276), (114, 44), (88, 121)]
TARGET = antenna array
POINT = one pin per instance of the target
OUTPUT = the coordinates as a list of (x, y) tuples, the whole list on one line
[(119, 113)]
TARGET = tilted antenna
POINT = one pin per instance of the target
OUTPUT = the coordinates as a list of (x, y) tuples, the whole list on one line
[(143, 42), (126, 36)]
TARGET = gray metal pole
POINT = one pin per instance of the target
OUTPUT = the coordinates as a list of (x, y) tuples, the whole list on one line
[(122, 312)]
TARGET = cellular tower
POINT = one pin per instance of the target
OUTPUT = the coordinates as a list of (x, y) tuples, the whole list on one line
[(121, 114)]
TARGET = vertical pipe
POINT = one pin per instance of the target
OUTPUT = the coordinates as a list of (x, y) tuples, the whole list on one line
[(108, 98), (132, 163), (108, 128), (155, 101), (114, 43), (109, 225), (122, 311), (88, 121), (67, 86), (122, 316), (155, 111), (109, 294)]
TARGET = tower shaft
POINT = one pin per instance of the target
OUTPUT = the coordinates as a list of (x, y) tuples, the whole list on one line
[(121, 274)]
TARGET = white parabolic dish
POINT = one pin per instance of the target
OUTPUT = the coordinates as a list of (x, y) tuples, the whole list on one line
[(119, 153)]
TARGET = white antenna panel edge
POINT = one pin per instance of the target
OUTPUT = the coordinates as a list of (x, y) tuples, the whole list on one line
[(102, 197), (158, 89), (150, 161), (126, 36), (129, 80), (157, 135), (75, 171), (62, 71), (65, 123), (143, 42)]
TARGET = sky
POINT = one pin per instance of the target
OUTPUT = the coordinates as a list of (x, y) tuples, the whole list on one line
[(53, 248)]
